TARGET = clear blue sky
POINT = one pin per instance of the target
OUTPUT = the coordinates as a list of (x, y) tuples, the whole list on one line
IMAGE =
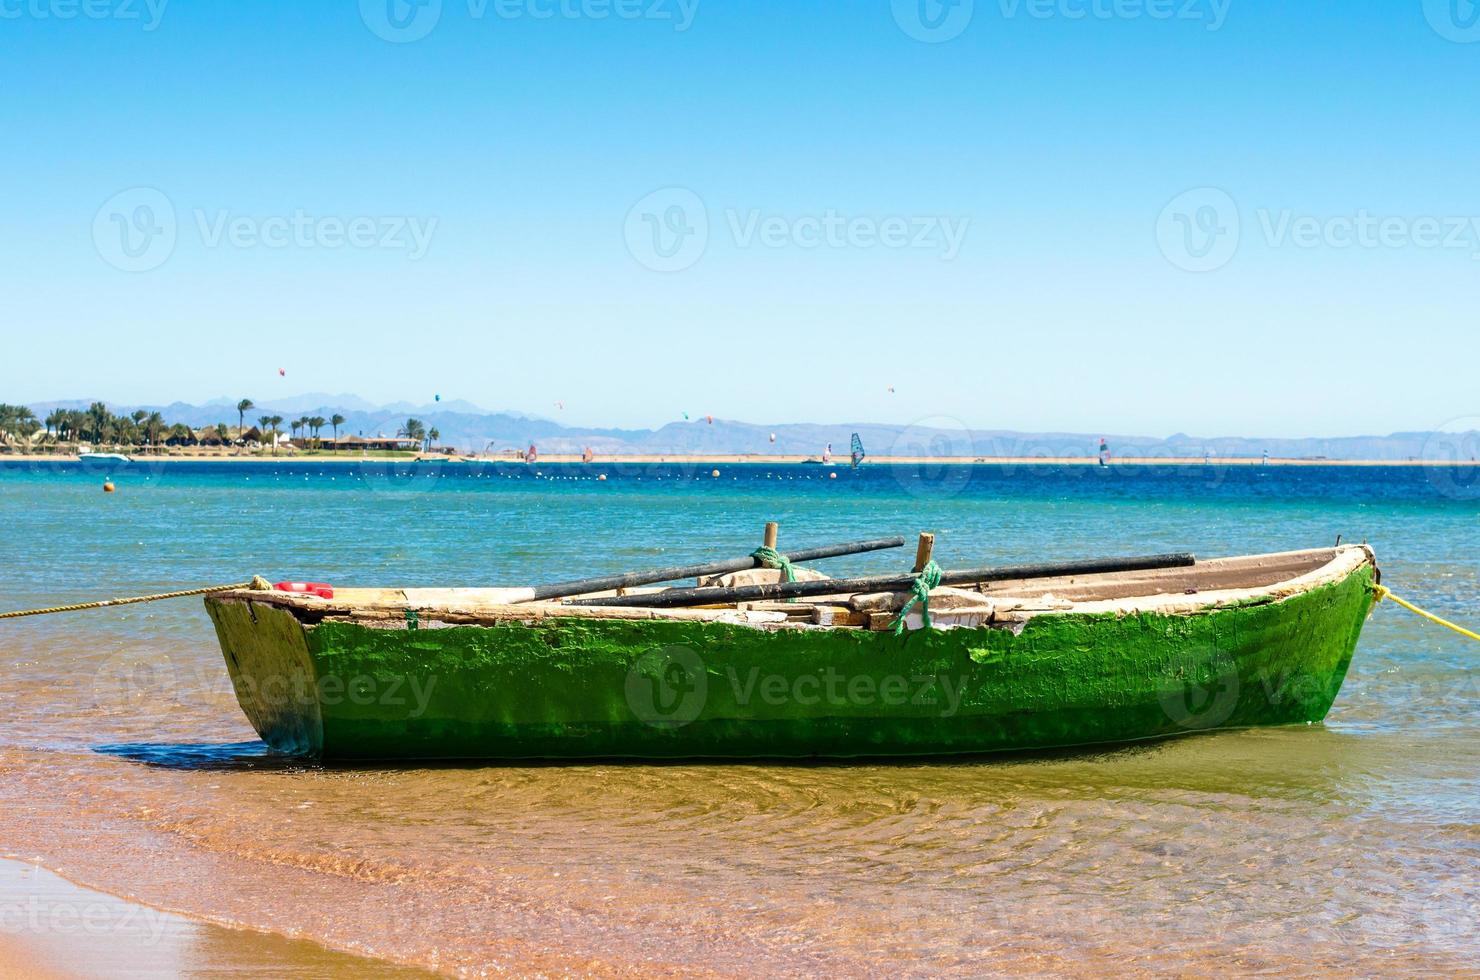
[(1058, 139)]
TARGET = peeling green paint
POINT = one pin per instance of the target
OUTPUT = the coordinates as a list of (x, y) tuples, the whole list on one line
[(569, 688)]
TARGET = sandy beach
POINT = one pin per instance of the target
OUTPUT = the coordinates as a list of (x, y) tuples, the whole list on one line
[(52, 928)]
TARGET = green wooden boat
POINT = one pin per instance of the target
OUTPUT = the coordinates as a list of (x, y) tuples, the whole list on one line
[(1008, 665)]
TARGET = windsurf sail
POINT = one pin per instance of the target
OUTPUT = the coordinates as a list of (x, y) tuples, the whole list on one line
[(858, 453)]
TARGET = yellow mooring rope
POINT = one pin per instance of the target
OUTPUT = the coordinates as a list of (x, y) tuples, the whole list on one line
[(125, 602), (1383, 592)]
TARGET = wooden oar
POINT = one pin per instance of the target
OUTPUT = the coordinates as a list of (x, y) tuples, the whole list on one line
[(887, 583), (625, 580)]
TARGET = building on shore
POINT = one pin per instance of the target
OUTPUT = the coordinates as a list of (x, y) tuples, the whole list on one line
[(369, 444)]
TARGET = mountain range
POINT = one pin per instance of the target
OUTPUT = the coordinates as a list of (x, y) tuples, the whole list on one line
[(472, 428)]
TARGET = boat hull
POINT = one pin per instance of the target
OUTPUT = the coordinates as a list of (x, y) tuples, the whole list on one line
[(568, 688)]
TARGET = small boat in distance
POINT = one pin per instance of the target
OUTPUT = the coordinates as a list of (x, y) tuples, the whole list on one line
[(104, 458), (848, 670)]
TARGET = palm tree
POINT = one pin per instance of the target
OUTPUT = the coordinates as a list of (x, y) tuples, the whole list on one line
[(336, 421), (413, 429), (242, 408), (153, 425), (275, 421), (316, 423), (98, 418), (71, 424), (55, 420), (432, 437)]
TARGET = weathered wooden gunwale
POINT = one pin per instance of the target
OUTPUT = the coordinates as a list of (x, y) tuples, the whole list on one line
[(1210, 583)]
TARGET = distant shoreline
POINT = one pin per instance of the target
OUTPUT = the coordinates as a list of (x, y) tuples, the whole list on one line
[(732, 459)]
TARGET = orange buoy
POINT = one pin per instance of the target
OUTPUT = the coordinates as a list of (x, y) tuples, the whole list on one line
[(832, 476), (714, 473), (108, 487), (601, 477)]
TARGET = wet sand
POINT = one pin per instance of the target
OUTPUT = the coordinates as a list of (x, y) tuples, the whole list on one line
[(51, 928)]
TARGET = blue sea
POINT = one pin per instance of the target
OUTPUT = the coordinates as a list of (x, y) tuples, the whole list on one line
[(1352, 845)]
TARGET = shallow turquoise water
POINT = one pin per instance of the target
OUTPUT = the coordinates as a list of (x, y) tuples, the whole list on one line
[(1364, 832)]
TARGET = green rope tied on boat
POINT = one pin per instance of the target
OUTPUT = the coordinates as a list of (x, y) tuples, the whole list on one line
[(920, 592), (771, 558)]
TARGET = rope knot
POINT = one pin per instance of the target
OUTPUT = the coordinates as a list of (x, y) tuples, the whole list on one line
[(771, 558), (928, 579)]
